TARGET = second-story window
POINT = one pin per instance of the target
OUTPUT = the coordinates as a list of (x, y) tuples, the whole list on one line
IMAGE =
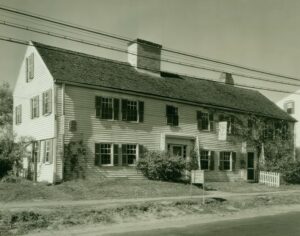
[(34, 107), (18, 112), (47, 102), (107, 108), (172, 115), (231, 123), (289, 107), (205, 120), (132, 110), (30, 67)]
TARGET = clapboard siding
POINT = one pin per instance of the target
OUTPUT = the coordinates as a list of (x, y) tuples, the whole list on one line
[(80, 106), (42, 127), (59, 132)]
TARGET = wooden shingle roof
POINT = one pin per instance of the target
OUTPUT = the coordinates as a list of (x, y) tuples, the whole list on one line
[(83, 69)]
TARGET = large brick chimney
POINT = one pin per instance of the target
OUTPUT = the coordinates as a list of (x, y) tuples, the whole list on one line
[(144, 55)]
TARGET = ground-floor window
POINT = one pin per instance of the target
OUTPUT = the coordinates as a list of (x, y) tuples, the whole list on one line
[(204, 159), (108, 154), (225, 161), (129, 153), (47, 151)]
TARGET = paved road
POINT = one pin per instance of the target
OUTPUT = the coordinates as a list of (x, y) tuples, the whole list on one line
[(278, 225)]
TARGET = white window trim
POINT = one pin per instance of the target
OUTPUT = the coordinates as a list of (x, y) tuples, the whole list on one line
[(209, 157), (138, 111), (230, 159)]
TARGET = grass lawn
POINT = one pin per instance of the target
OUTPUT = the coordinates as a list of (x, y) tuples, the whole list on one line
[(93, 190), (244, 187)]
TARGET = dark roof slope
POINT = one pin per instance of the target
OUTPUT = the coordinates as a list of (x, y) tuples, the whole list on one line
[(70, 66)]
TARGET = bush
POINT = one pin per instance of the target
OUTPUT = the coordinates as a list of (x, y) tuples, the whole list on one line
[(291, 172), (161, 166), (6, 165)]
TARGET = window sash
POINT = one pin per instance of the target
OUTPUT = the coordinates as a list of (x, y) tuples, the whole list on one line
[(172, 115), (18, 116), (204, 159), (225, 160), (129, 153), (35, 107)]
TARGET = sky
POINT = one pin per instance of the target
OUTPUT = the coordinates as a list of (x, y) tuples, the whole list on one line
[(262, 34)]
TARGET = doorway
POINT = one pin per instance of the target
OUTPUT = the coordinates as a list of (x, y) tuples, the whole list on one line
[(250, 166)]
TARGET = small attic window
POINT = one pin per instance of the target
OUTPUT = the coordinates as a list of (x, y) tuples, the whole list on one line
[(30, 67), (289, 107)]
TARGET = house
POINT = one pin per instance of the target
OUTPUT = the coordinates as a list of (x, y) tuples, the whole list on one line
[(291, 105), (119, 109)]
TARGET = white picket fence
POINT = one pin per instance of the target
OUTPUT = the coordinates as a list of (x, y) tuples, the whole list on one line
[(269, 178)]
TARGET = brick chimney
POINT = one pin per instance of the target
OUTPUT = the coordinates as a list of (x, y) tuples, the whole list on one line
[(144, 55), (227, 78)]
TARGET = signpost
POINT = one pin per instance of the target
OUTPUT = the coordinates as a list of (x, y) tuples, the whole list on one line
[(197, 177), (222, 130)]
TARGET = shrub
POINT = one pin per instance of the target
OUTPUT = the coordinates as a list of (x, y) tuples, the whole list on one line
[(291, 172), (161, 166)]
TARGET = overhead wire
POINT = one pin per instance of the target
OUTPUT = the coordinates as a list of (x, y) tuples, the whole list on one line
[(62, 36), (24, 42), (122, 38)]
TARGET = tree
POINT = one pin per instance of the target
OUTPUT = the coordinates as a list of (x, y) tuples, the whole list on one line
[(6, 104)]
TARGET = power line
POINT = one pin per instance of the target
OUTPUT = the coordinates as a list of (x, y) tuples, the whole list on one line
[(122, 38), (90, 43), (23, 42)]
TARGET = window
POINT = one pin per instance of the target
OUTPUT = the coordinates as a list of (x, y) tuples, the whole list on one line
[(289, 107), (104, 153), (18, 111), (35, 151), (132, 110), (107, 108), (269, 130), (129, 154), (177, 150), (172, 115), (47, 102), (205, 121), (30, 67), (34, 107), (48, 151), (204, 159), (225, 161)]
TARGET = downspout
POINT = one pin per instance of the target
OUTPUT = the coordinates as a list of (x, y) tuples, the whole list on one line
[(63, 128)]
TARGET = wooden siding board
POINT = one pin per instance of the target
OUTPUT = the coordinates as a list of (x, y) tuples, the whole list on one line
[(79, 106)]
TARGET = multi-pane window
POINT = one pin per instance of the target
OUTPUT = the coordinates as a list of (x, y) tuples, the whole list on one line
[(289, 107), (129, 154), (47, 102), (132, 110), (35, 151), (107, 108), (48, 151), (105, 154), (18, 112), (205, 120), (204, 159), (34, 107), (225, 161), (30, 67), (269, 130), (172, 115)]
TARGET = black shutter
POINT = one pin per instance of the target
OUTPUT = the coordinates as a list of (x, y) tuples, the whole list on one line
[(234, 161), (124, 109), (116, 154), (199, 120), (97, 154), (212, 160), (124, 155), (176, 120), (141, 111), (116, 108), (50, 101), (211, 121), (221, 163), (98, 101)]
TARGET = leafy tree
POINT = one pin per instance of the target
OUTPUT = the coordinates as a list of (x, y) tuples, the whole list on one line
[(6, 104)]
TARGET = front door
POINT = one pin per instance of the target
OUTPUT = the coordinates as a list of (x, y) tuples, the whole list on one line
[(250, 166)]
